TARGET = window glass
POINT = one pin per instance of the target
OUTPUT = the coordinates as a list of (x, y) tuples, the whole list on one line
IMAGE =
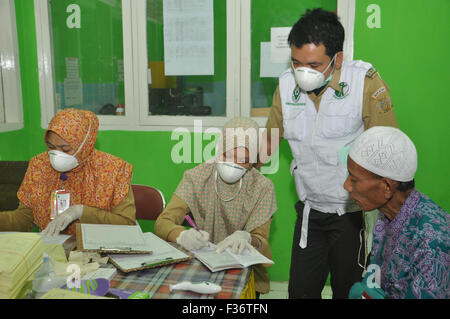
[(88, 55), (266, 14), (186, 47)]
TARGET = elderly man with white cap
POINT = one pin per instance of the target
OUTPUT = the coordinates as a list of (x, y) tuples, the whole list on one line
[(410, 254)]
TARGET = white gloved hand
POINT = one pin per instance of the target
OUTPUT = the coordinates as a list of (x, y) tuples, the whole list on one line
[(193, 239), (238, 241), (63, 220)]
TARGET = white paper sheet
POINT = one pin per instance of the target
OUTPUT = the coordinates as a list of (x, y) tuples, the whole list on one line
[(120, 237), (188, 37), (47, 240), (267, 68), (120, 71), (72, 69), (73, 91), (280, 51), (73, 87), (107, 273), (54, 240)]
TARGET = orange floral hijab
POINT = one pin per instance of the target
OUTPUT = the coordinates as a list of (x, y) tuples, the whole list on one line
[(101, 180)]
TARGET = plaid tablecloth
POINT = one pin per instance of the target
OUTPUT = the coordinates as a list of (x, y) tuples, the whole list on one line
[(156, 281)]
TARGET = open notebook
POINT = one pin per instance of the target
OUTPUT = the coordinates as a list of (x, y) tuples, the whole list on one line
[(228, 260), (163, 254)]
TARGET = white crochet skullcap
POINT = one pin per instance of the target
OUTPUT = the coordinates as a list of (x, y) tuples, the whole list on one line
[(387, 152)]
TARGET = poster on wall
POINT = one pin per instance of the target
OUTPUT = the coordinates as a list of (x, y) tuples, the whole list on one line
[(73, 87), (280, 51), (120, 71), (268, 69), (73, 92), (188, 37)]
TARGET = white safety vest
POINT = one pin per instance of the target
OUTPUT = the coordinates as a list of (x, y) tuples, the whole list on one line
[(317, 138)]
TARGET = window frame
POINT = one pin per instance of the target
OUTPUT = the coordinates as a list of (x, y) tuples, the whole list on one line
[(170, 122), (46, 69), (346, 13), (238, 82), (10, 69)]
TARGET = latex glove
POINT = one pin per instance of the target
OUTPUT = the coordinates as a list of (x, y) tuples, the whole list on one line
[(238, 241), (63, 220), (192, 239)]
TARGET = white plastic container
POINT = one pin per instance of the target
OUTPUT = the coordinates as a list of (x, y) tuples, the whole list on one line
[(45, 279)]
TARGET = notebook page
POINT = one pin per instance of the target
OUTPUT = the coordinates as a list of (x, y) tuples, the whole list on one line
[(248, 258), (212, 259)]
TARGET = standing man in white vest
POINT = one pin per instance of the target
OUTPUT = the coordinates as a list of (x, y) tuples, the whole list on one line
[(320, 106)]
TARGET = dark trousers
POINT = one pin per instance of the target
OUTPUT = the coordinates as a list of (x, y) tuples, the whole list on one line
[(333, 245)]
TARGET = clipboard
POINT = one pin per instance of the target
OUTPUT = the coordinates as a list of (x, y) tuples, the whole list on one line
[(106, 250), (164, 254), (161, 263)]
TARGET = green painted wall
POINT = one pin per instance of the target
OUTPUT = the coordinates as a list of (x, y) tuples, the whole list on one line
[(410, 51), (410, 55)]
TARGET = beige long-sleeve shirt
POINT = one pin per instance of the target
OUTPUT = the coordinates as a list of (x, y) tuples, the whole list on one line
[(22, 218)]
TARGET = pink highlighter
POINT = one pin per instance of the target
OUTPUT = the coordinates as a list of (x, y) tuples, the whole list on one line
[(191, 222)]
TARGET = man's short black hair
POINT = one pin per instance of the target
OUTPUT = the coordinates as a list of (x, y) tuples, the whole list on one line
[(318, 26)]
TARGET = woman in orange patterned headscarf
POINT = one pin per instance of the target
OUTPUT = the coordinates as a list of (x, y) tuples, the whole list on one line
[(99, 183)]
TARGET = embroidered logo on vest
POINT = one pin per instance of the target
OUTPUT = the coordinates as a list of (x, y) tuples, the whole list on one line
[(343, 92), (296, 94)]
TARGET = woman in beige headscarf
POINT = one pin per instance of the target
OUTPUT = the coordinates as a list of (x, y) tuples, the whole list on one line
[(231, 202)]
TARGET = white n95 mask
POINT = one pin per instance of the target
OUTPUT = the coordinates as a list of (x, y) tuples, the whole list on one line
[(309, 79), (230, 172), (61, 161)]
